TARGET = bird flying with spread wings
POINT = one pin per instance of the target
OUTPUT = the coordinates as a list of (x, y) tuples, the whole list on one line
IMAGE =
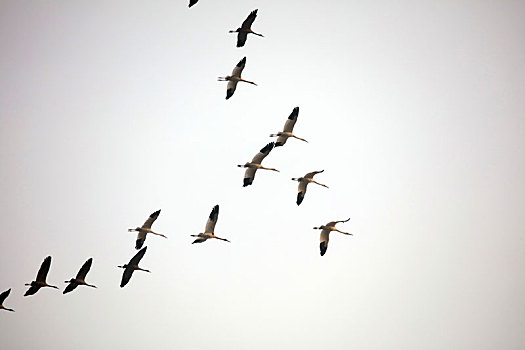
[(325, 233), (245, 29), (210, 227), (303, 182), (255, 164), (145, 229), (235, 78)]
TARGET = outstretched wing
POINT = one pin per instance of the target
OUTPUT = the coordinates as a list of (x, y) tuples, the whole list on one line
[(192, 2), (200, 240), (212, 220), (335, 222), (249, 20), (141, 238), (70, 287), (249, 175), (151, 219), (32, 290), (237, 70), (325, 234), (230, 89), (290, 122), (128, 271), (81, 275), (4, 295), (311, 175), (136, 259), (44, 269), (241, 38), (263, 153), (301, 191)]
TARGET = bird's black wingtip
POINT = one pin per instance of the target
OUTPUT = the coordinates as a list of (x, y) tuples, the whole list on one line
[(247, 182), (278, 144), (323, 247)]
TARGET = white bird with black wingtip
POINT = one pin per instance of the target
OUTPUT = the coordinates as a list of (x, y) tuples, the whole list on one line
[(282, 136), (255, 164), (325, 233), (235, 78), (303, 182), (145, 229), (210, 227)]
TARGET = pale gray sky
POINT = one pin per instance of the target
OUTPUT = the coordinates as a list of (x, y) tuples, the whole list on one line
[(415, 110)]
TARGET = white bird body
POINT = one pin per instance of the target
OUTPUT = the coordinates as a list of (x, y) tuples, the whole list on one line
[(282, 136), (303, 183), (234, 78), (145, 229), (255, 164), (209, 228), (245, 29), (325, 234)]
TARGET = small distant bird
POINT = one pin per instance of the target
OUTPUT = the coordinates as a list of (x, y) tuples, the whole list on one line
[(210, 226), (2, 298), (255, 164), (235, 78), (245, 29), (326, 229), (303, 182), (40, 278), (80, 279), (130, 267), (282, 136), (145, 229), (192, 2)]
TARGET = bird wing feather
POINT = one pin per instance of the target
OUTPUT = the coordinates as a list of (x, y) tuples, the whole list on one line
[(81, 275), (249, 20), (237, 70), (258, 158), (32, 290), (212, 220), (4, 295), (126, 275), (249, 175), (311, 175), (136, 259), (290, 122), (44, 269), (151, 219), (230, 89), (69, 288), (241, 38)]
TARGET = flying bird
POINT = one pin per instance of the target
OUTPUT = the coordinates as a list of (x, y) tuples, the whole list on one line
[(325, 233), (2, 298), (145, 229), (303, 182), (245, 29), (282, 136), (192, 2), (235, 78), (256, 164), (130, 267), (40, 278), (80, 279), (210, 226)]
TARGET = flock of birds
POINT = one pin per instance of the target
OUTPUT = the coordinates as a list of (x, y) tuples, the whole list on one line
[(251, 168)]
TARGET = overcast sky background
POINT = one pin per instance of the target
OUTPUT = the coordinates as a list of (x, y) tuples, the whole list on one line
[(414, 109)]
